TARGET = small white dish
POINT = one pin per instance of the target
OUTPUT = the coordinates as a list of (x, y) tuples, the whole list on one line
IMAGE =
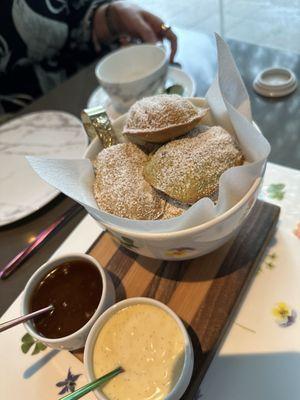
[(275, 82), (174, 76), (51, 134), (186, 373), (77, 339)]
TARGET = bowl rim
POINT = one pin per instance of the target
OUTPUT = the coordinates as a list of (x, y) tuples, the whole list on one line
[(188, 364), (40, 273), (125, 50)]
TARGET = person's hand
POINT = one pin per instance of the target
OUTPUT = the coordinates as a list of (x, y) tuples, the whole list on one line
[(122, 18)]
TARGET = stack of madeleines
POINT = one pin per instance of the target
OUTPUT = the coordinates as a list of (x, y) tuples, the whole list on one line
[(185, 164)]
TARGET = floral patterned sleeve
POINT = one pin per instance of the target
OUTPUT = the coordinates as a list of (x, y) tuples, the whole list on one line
[(80, 23), (42, 42)]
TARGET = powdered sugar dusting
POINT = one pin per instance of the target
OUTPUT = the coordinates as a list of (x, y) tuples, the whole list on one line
[(120, 187), (159, 112), (173, 208), (190, 168)]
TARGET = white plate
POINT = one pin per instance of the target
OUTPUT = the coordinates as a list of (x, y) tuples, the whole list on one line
[(52, 134), (174, 76)]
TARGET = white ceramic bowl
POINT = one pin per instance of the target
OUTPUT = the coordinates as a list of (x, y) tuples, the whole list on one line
[(188, 364), (187, 243), (131, 73), (77, 339)]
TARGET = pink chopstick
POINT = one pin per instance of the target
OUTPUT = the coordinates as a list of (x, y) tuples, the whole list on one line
[(40, 239)]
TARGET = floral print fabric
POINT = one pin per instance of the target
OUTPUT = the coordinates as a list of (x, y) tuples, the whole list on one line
[(259, 358), (41, 43)]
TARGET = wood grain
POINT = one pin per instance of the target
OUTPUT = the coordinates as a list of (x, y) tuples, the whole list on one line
[(204, 292)]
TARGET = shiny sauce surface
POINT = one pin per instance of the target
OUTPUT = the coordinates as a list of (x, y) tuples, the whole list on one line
[(74, 289), (149, 345)]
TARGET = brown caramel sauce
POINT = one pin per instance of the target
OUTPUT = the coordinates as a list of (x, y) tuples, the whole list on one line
[(74, 289)]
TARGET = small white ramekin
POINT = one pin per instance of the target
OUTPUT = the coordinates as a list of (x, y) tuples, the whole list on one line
[(186, 373), (77, 339)]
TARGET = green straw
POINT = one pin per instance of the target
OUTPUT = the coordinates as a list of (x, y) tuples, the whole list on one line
[(92, 385)]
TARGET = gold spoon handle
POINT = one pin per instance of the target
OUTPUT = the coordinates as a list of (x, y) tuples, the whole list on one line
[(97, 124)]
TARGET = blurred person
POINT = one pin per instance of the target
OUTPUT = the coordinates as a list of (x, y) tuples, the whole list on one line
[(42, 42)]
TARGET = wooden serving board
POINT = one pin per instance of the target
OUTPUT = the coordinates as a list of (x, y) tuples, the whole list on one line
[(204, 292)]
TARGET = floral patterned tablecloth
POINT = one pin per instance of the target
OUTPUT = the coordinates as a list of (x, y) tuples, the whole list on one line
[(259, 358)]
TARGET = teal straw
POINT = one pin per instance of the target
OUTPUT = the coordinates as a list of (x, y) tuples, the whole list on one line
[(92, 385)]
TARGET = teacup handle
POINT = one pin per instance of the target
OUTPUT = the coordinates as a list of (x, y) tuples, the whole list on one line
[(161, 45)]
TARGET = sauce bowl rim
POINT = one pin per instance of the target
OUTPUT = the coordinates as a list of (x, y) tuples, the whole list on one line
[(187, 369), (40, 273)]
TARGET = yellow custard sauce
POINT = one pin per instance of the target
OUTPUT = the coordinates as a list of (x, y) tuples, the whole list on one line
[(148, 343)]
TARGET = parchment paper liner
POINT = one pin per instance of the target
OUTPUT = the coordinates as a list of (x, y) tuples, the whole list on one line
[(230, 107)]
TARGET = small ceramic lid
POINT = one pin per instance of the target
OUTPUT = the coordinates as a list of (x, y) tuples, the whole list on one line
[(275, 82)]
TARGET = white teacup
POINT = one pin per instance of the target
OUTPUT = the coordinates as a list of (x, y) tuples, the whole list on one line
[(132, 73)]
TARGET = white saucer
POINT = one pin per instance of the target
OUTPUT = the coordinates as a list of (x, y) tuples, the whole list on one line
[(50, 134), (174, 76)]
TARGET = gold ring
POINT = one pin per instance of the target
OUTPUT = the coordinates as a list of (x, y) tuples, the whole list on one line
[(165, 28)]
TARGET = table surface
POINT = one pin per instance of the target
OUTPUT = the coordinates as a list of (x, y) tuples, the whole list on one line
[(278, 120), (259, 358)]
